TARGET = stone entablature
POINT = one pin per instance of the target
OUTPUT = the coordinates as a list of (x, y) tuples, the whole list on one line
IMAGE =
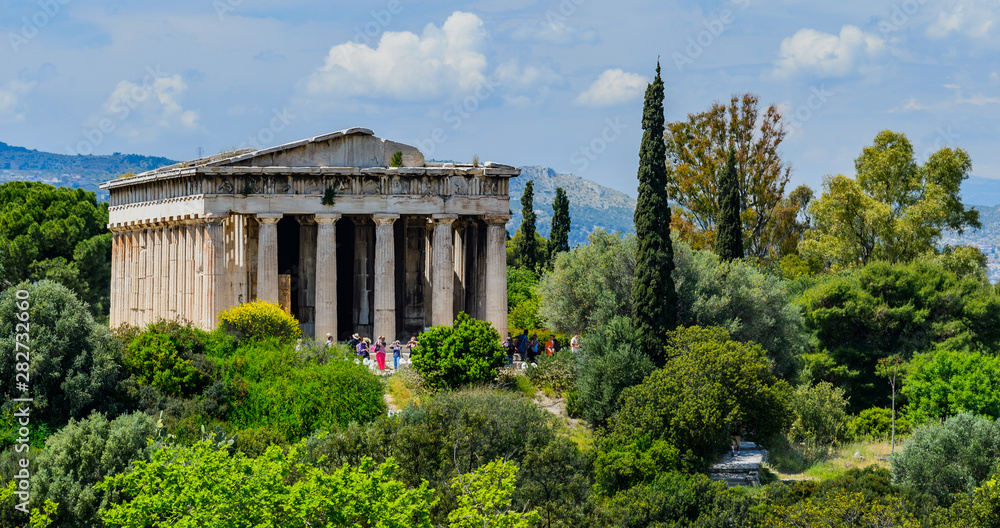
[(418, 243)]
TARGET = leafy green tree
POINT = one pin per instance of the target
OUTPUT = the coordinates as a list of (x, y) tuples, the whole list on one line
[(590, 284), (884, 309), (654, 300), (980, 508), (155, 361), (876, 424), (889, 367), (819, 414), (609, 363), (944, 383), (950, 457), (56, 233), (37, 518), (469, 351), (559, 235), (697, 152), (523, 301), (204, 486), (79, 456), (729, 238), (484, 499), (844, 509), (895, 210), (527, 251), (74, 363), (709, 385)]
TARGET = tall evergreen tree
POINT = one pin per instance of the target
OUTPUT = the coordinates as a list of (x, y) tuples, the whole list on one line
[(559, 236), (729, 234), (525, 246), (654, 300)]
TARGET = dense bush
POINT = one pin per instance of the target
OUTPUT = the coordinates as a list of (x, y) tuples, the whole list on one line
[(59, 234), (709, 386), (819, 414), (75, 363), (522, 299), (207, 487), (81, 455), (981, 508), (259, 320), (554, 373), (881, 310), (155, 361), (944, 383), (469, 351), (610, 362), (738, 296), (951, 457), (876, 424), (273, 387)]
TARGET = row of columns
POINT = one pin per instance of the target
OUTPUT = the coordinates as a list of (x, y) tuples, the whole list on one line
[(168, 271), (178, 270)]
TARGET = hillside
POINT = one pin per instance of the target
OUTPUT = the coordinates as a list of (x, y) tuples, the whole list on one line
[(590, 205)]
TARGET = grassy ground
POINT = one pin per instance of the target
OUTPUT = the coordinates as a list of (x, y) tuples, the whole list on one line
[(800, 463)]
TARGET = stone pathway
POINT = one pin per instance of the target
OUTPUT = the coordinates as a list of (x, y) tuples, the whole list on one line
[(742, 469)]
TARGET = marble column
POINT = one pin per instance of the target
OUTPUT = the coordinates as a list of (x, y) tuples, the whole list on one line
[(385, 277), (165, 291), (189, 272), (496, 272), (267, 255), (173, 277), (443, 311), (132, 265), (306, 286), (215, 267), (326, 276), (115, 294)]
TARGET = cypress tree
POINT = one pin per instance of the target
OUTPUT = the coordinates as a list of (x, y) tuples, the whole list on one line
[(559, 236), (654, 300), (729, 234), (526, 247)]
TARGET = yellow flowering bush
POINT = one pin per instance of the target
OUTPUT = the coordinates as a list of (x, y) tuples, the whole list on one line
[(259, 319)]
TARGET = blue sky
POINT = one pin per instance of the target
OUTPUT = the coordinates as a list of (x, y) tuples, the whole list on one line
[(556, 83)]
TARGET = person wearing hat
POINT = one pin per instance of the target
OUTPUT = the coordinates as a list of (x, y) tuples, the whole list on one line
[(355, 339), (329, 339)]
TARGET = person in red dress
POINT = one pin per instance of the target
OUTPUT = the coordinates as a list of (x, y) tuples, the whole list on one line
[(380, 352)]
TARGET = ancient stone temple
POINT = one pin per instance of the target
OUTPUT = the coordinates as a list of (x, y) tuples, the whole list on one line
[(325, 226)]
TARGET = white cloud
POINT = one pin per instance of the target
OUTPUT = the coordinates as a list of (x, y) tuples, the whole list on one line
[(443, 61), (827, 55), (975, 99), (555, 31), (513, 77), (155, 100), (612, 87), (11, 95), (973, 18)]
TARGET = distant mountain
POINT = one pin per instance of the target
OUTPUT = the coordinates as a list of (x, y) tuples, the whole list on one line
[(981, 191), (22, 159), (590, 205)]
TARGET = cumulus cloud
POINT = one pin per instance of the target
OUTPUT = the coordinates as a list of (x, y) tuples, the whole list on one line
[(11, 99), (156, 100), (612, 87), (973, 18), (827, 55), (441, 62), (517, 78)]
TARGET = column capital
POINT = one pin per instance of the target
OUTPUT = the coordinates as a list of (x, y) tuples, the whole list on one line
[(384, 218), (214, 218), (327, 218), (444, 219), (269, 218), (497, 219)]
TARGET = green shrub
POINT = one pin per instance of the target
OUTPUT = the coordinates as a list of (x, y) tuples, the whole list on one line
[(556, 372), (81, 455), (944, 383), (876, 424), (951, 457), (259, 320), (155, 360), (272, 387), (609, 363), (254, 442), (75, 363), (819, 414), (451, 356)]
